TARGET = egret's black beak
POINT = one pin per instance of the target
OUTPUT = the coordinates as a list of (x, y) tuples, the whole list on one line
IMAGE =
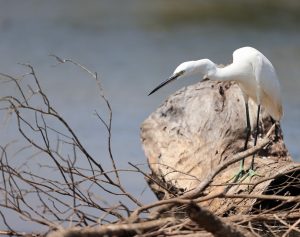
[(172, 78)]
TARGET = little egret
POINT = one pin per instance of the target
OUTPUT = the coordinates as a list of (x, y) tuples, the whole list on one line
[(254, 74)]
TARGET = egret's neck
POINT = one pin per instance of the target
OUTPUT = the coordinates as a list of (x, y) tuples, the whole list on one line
[(227, 73)]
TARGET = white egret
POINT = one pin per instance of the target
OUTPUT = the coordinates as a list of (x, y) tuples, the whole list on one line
[(254, 74)]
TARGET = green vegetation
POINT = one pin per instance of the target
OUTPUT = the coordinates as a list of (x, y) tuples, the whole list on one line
[(265, 13)]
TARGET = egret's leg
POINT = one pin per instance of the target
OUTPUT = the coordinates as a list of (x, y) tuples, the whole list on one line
[(248, 131), (255, 138), (241, 172), (248, 128)]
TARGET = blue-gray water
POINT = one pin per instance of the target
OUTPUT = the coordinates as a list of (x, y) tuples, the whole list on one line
[(133, 45)]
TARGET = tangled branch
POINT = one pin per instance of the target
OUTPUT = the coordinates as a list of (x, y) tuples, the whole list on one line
[(52, 187)]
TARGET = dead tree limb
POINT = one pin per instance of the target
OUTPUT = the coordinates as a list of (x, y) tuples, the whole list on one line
[(211, 222), (115, 229)]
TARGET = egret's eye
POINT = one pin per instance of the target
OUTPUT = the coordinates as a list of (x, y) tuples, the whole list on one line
[(177, 74), (181, 72)]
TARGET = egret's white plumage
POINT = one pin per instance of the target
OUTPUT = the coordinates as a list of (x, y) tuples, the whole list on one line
[(253, 72)]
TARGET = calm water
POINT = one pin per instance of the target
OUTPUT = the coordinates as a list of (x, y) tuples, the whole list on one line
[(133, 48)]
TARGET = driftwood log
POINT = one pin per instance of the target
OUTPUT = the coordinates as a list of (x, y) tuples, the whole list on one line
[(201, 127)]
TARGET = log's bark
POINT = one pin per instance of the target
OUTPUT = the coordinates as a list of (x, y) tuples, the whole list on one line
[(202, 126)]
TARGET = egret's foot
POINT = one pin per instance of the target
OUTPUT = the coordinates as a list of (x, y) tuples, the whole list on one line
[(251, 173), (242, 175), (237, 176)]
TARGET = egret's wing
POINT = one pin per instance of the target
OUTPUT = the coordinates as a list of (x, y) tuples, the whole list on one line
[(268, 85)]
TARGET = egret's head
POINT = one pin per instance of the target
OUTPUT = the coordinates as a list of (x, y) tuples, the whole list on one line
[(189, 68), (184, 69)]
